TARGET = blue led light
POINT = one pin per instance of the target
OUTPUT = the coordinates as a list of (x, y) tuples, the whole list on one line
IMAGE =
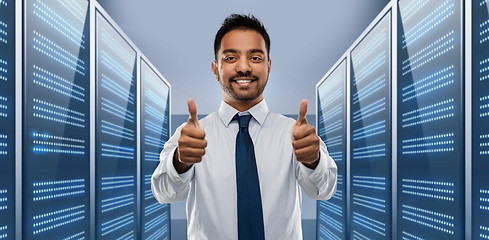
[(333, 113), (3, 70), (155, 127), (117, 130), (78, 236), (151, 156), (369, 130), (124, 54), (115, 151), (369, 182), (369, 110), (428, 23), (330, 98), (373, 203), (117, 223), (148, 194), (116, 68), (372, 66), (155, 207), (49, 17), (337, 125), (152, 141), (117, 202), (434, 112), (434, 220), (370, 47), (109, 183), (331, 207), (3, 199), (157, 101), (116, 89), (58, 189), (428, 189), (56, 219), (370, 89), (331, 222), (369, 223), (157, 221), (439, 79)]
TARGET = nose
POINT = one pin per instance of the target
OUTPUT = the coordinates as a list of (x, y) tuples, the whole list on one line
[(243, 65)]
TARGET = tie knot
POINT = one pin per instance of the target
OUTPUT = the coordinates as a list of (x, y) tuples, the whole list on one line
[(242, 120)]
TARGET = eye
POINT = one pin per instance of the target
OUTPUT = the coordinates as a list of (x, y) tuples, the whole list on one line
[(229, 58), (256, 59)]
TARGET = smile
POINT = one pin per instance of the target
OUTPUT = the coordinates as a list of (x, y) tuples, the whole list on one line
[(244, 81)]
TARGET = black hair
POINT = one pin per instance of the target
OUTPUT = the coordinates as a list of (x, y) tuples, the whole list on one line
[(242, 22)]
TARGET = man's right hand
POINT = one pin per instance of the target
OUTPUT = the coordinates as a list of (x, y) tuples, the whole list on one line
[(191, 144)]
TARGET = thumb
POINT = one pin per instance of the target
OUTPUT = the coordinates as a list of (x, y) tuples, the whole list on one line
[(302, 113), (192, 111)]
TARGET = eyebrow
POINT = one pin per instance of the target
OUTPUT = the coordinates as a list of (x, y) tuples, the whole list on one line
[(256, 51), (232, 50)]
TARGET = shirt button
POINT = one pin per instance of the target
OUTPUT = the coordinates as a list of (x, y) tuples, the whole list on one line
[(178, 179), (316, 175)]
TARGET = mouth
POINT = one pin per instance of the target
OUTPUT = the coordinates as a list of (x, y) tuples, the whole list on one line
[(244, 82)]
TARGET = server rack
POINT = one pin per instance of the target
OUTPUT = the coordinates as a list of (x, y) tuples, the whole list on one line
[(332, 129), (431, 136), (370, 99), (115, 132), (7, 118), (55, 138), (154, 132)]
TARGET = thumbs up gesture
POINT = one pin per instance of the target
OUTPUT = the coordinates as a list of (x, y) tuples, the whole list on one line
[(192, 143), (305, 141)]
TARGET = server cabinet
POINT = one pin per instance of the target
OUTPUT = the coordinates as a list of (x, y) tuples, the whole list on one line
[(331, 128), (7, 118), (430, 119), (155, 131), (115, 133), (55, 157), (370, 135)]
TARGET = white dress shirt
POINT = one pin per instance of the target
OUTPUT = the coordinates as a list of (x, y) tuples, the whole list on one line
[(210, 186)]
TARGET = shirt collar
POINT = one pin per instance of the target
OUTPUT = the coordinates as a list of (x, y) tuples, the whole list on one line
[(259, 112)]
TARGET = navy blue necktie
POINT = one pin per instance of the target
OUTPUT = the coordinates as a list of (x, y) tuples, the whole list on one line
[(250, 212)]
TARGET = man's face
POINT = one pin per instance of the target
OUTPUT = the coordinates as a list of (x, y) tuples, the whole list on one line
[(242, 66)]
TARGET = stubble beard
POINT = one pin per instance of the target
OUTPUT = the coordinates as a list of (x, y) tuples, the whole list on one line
[(230, 91)]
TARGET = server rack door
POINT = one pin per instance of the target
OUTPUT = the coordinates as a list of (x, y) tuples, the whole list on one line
[(115, 133), (430, 120), (55, 164), (480, 119), (370, 168), (7, 119), (331, 125), (155, 131)]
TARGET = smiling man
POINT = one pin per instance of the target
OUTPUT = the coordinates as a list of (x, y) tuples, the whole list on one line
[(242, 167)]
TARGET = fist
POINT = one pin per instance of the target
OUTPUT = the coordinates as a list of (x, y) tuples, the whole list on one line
[(192, 143), (305, 141)]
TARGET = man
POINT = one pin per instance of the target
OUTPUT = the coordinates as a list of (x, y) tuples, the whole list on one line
[(241, 168)]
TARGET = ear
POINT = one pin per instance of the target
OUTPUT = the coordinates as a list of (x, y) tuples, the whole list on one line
[(215, 70), (269, 65)]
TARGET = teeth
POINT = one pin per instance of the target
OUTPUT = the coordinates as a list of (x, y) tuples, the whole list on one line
[(243, 81)]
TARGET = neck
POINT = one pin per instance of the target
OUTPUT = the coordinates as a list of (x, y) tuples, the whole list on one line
[(243, 105)]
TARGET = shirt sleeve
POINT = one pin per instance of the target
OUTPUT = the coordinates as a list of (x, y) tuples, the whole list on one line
[(167, 185), (319, 183)]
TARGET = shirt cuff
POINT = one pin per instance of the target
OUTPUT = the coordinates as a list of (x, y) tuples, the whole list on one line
[(178, 180), (321, 169)]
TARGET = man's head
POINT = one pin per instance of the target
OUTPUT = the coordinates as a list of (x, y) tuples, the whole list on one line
[(241, 22), (242, 62)]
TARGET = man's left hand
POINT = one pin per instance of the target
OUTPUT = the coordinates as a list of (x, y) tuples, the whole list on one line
[(305, 141)]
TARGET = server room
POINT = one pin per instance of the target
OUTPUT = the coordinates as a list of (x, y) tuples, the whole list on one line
[(91, 90)]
